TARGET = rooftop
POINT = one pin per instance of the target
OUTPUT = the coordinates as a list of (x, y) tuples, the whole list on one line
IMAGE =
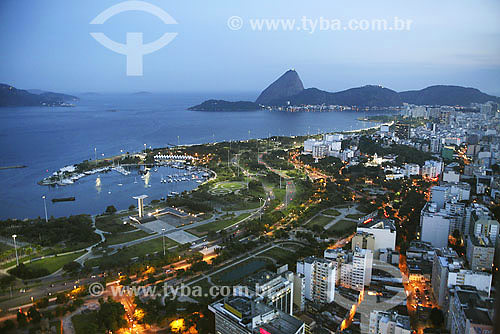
[(261, 277), (378, 223), (478, 317), (264, 317), (480, 241), (401, 320)]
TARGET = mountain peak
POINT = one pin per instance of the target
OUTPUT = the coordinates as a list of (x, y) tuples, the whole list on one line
[(288, 84)]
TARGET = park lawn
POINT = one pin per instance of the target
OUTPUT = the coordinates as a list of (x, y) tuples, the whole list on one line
[(279, 193), (82, 322), (320, 221), (120, 238), (293, 246), (4, 247), (281, 255), (138, 250), (43, 252), (150, 246), (13, 262), (355, 216), (331, 212), (205, 216), (343, 227), (226, 187), (232, 185), (112, 224), (242, 206), (217, 225), (73, 246), (54, 263)]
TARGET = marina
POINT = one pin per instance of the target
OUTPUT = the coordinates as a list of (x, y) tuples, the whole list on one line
[(115, 186)]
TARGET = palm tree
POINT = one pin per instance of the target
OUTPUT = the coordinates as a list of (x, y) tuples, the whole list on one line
[(28, 251)]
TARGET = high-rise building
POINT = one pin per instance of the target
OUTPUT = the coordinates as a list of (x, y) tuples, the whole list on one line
[(459, 191), (357, 273), (448, 271), (411, 169), (319, 279), (451, 176), (274, 288), (363, 240), (480, 253), (435, 145), (299, 291), (389, 323), (435, 225), (444, 116), (308, 145), (383, 231), (338, 257), (486, 109), (310, 323), (431, 169), (402, 131), (439, 195), (243, 315), (485, 227), (469, 312), (319, 150)]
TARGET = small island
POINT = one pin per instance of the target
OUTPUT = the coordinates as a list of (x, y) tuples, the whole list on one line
[(221, 105)]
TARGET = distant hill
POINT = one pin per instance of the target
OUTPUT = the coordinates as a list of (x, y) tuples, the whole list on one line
[(221, 105), (289, 84), (13, 97), (367, 96), (446, 95), (288, 89), (143, 93), (36, 91)]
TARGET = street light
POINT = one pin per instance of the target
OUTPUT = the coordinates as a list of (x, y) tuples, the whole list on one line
[(45, 207), (163, 236), (260, 210), (14, 236)]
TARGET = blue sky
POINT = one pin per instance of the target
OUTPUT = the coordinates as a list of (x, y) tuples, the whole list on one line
[(46, 44)]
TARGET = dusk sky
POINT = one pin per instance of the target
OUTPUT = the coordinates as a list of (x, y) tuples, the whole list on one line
[(46, 44)]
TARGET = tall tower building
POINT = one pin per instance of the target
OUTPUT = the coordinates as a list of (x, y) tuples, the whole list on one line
[(319, 279)]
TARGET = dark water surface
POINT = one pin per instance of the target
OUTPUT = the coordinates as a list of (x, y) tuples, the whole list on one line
[(46, 139)]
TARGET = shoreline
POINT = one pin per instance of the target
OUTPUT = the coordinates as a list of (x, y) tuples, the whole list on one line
[(74, 176)]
